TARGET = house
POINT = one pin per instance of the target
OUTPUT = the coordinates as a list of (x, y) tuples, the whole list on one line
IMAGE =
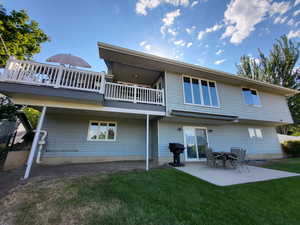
[(143, 103)]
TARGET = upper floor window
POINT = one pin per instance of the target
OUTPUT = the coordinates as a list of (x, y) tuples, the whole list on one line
[(255, 133), (251, 97), (102, 131), (200, 92)]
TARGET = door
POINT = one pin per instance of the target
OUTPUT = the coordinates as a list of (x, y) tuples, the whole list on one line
[(196, 141)]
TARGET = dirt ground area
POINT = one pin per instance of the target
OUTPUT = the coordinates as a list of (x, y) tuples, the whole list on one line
[(10, 179)]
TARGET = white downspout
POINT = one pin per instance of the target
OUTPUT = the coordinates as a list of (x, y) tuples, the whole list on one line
[(34, 143), (147, 142), (41, 143)]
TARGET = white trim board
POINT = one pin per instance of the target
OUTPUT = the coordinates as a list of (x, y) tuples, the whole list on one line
[(71, 105)]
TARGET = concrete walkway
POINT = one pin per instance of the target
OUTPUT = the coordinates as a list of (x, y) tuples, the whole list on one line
[(228, 176)]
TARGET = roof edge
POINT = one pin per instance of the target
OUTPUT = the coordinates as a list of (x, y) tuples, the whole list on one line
[(289, 91)]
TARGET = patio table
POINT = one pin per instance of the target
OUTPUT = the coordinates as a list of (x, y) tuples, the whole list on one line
[(225, 156)]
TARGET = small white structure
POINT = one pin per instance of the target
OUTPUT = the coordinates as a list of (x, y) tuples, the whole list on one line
[(282, 138)]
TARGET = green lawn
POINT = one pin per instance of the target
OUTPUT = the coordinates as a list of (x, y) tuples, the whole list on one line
[(162, 196)]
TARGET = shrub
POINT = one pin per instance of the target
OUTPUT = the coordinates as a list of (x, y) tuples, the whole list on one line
[(291, 148)]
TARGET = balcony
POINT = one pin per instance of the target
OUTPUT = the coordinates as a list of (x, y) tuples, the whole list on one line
[(133, 93), (33, 73), (60, 77)]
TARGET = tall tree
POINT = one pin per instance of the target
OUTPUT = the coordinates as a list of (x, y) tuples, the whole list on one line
[(22, 36), (279, 68)]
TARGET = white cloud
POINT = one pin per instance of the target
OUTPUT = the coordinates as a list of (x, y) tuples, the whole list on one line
[(280, 20), (148, 47), (279, 8), (145, 45), (194, 3), (296, 2), (294, 34), (190, 30), (209, 30), (189, 44), (291, 22), (297, 24), (297, 12), (219, 52), (241, 16), (179, 42), (169, 19), (218, 62), (142, 6), (171, 31)]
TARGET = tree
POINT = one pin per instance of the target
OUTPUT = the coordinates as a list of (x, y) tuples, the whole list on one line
[(22, 36), (7, 109), (279, 68)]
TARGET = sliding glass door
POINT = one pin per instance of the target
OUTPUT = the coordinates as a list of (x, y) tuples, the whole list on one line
[(196, 141)]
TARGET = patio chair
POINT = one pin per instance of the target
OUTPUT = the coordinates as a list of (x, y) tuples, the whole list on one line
[(210, 158), (240, 160)]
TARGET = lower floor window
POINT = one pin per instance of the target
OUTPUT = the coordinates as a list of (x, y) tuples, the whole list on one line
[(102, 131), (255, 132)]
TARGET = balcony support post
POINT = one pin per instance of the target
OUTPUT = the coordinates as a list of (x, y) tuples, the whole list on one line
[(34, 143), (147, 142)]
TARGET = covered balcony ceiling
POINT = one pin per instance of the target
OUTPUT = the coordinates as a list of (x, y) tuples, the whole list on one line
[(132, 74)]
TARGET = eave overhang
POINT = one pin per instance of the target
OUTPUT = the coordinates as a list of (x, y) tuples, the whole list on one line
[(147, 61)]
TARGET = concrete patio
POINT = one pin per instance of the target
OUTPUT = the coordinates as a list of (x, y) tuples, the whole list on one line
[(225, 177)]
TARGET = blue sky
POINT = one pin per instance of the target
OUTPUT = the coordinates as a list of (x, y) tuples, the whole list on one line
[(210, 33)]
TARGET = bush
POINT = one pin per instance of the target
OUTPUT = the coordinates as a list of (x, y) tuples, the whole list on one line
[(291, 148), (32, 115)]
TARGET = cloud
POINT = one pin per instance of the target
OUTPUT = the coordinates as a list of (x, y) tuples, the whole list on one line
[(296, 2), (280, 20), (179, 43), (291, 22), (241, 16), (219, 52), (169, 19), (190, 30), (171, 31), (142, 6), (279, 8), (293, 34), (145, 45), (189, 44), (194, 3), (209, 30), (297, 12), (218, 62)]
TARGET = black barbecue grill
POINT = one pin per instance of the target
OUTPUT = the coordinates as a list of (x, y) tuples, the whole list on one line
[(176, 149)]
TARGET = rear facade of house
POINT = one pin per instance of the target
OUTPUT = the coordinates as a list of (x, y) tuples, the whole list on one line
[(142, 104)]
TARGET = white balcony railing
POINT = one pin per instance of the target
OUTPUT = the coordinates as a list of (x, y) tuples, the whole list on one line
[(41, 74), (28, 72), (133, 93)]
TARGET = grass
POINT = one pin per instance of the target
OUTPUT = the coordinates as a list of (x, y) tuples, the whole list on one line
[(162, 196)]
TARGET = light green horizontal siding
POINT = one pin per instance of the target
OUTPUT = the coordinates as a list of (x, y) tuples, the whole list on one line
[(274, 107), (223, 137), (67, 136)]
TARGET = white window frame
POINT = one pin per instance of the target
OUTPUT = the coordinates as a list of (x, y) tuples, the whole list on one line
[(99, 122), (255, 133), (257, 92), (201, 92)]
